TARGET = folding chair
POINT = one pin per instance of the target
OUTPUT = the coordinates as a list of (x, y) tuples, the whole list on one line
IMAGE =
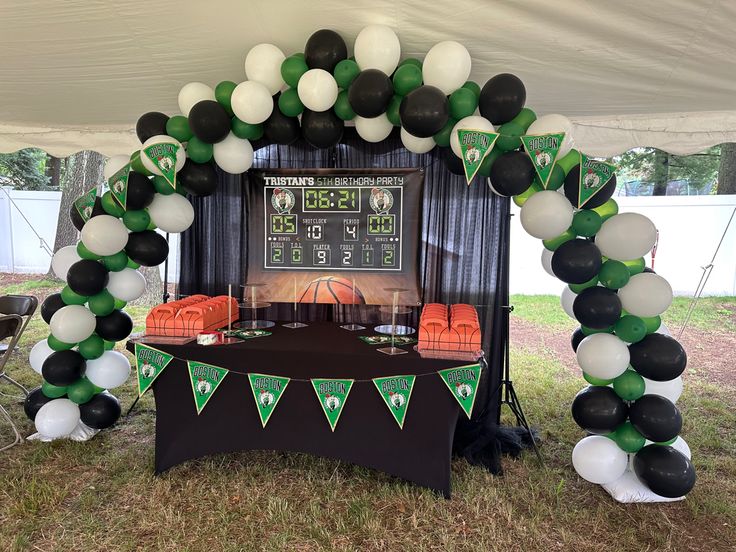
[(9, 328), (21, 308)]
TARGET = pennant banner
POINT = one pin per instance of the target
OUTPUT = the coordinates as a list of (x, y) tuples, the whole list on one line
[(86, 203), (267, 390), (593, 176), (542, 150), (332, 395), (396, 392), (205, 381), (118, 184), (462, 382), (475, 145), (163, 156), (149, 363)]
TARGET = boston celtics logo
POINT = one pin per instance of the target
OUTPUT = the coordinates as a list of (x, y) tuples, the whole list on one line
[(266, 398), (282, 200), (397, 399), (591, 180), (542, 159), (463, 390), (203, 386), (119, 185), (147, 371), (381, 200), (165, 163), (332, 402), (472, 155)]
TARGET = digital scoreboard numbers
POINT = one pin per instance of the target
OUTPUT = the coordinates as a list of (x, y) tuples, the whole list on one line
[(350, 223)]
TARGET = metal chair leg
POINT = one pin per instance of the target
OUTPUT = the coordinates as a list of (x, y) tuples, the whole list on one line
[(18, 439), (10, 380)]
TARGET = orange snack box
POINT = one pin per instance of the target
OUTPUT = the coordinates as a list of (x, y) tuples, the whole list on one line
[(190, 316)]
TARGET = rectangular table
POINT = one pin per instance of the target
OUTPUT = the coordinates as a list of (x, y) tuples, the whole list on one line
[(366, 434)]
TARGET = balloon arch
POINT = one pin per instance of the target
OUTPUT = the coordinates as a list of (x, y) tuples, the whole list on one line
[(632, 365)]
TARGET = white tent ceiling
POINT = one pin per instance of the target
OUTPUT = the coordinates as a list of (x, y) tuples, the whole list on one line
[(77, 74)]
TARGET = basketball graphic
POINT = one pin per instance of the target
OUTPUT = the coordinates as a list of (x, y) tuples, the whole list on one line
[(331, 289)]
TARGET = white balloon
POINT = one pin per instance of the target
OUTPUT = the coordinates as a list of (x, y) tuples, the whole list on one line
[(128, 284), (681, 445), (109, 371), (566, 300), (65, 258), (193, 93), (553, 123), (104, 235), (72, 324), (547, 261), (377, 47), (603, 356), (40, 352), (447, 66), (671, 389), (598, 459), (181, 154), (472, 122), (546, 214), (626, 236), (263, 64), (251, 102), (57, 418), (171, 213), (233, 155), (663, 329), (114, 164), (317, 90), (415, 144), (373, 129), (647, 294)]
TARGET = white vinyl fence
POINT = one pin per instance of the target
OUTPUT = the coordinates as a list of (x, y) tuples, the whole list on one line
[(690, 228)]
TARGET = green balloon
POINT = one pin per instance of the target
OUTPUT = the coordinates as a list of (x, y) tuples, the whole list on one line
[(553, 243), (178, 127), (592, 380), (81, 391), (136, 221), (629, 385), (111, 206), (109, 345), (463, 103), (628, 438), (116, 262), (223, 93), (298, 54), (292, 69), (510, 136), (199, 151), (614, 274), (290, 104), (72, 298), (652, 323), (102, 304), (342, 106), (490, 159), (525, 118), (415, 61), (132, 264), (442, 138), (569, 161), (521, 198), (607, 210), (52, 391), (92, 347), (577, 288), (474, 87), (392, 112), (120, 304), (407, 78), (586, 223), (85, 253), (245, 130), (162, 186), (556, 178), (590, 331), (345, 73), (151, 226), (137, 164), (636, 266), (667, 442), (56, 345)]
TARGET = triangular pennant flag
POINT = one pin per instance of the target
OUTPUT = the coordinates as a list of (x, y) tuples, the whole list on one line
[(462, 382), (542, 150), (118, 184), (149, 363), (593, 176), (85, 203), (475, 145), (332, 395), (205, 381), (267, 390), (396, 392), (163, 156)]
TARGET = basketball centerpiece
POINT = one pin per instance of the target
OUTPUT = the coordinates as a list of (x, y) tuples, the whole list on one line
[(332, 289)]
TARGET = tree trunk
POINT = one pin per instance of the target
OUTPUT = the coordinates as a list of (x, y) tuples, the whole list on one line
[(661, 172), (154, 287), (727, 170), (53, 171)]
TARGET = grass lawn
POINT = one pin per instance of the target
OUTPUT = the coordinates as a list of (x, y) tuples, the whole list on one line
[(101, 495)]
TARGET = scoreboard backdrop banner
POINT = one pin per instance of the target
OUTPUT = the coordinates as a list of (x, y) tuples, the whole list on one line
[(313, 232)]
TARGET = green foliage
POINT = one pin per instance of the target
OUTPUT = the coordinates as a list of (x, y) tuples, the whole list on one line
[(24, 169)]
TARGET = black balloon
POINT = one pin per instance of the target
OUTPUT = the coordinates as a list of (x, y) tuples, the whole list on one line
[(665, 470), (599, 409), (87, 277), (280, 129), (50, 305), (140, 192), (454, 163), (597, 307), (116, 326), (77, 219), (101, 411), (370, 93), (576, 338), (648, 270), (424, 111), (151, 124), (147, 248), (656, 418), (512, 173), (33, 403), (572, 189), (658, 357), (63, 368), (199, 179), (209, 121), (502, 98), (322, 129), (324, 50), (576, 261)]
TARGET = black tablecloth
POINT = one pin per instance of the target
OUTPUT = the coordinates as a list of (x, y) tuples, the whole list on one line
[(366, 434)]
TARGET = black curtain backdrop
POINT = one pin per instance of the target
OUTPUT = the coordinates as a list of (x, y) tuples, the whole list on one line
[(463, 256)]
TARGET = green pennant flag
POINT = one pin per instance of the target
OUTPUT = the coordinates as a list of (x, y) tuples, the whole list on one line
[(205, 380), (593, 176), (462, 381), (542, 150), (118, 184), (267, 390), (85, 203), (475, 145), (163, 156), (396, 392), (332, 395), (149, 363)]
